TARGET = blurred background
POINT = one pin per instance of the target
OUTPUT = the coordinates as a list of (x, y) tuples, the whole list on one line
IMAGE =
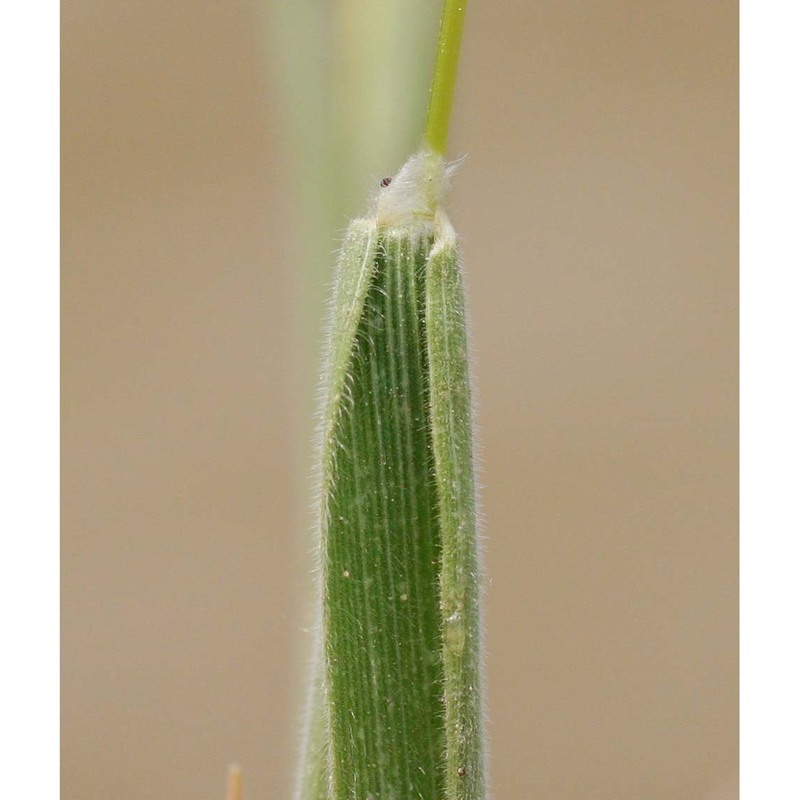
[(212, 153)]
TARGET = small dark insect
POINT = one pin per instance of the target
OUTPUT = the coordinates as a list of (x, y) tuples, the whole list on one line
[(385, 182), (461, 771)]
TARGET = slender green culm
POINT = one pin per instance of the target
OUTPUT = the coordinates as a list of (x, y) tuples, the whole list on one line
[(396, 702), (443, 86)]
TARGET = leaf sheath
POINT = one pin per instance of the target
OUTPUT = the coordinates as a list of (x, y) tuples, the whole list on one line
[(382, 550), (400, 695)]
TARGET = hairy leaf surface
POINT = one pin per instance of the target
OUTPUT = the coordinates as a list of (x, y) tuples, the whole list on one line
[(399, 692)]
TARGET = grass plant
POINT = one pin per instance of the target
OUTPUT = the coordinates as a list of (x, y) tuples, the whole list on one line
[(396, 702)]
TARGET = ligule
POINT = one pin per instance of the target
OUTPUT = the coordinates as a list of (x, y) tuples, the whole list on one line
[(399, 694)]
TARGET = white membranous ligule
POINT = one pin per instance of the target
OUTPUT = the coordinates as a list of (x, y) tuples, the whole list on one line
[(414, 197)]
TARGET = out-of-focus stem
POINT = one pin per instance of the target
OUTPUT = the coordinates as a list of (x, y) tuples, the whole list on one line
[(234, 791)]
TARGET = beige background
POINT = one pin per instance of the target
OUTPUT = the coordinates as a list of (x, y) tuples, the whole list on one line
[(599, 217)]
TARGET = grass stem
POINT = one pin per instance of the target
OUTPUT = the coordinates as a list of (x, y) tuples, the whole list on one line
[(444, 75)]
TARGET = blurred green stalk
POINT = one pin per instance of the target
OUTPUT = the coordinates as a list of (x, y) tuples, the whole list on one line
[(353, 75)]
